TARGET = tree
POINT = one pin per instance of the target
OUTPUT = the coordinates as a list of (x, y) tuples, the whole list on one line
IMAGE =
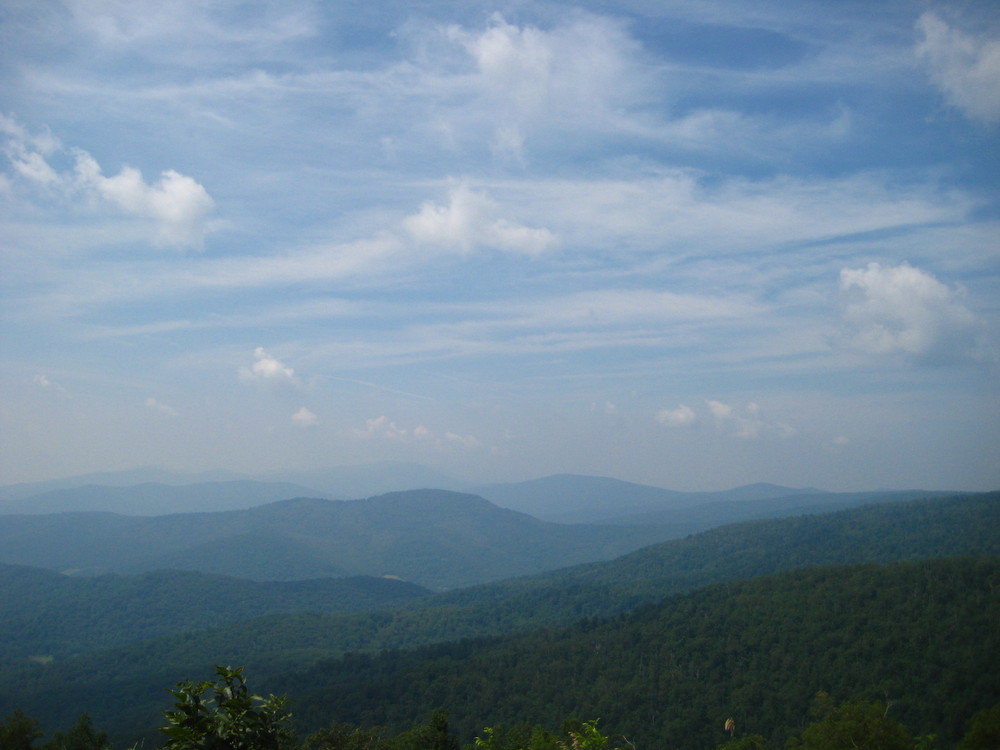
[(857, 725), (984, 731), (82, 736), (19, 732), (748, 742), (223, 715), (434, 735)]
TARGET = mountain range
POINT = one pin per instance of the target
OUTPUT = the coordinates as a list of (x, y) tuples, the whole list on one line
[(561, 498), (843, 628), (434, 538)]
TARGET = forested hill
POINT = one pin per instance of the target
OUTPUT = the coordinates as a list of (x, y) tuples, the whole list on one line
[(922, 635), (434, 538), (46, 613), (133, 677)]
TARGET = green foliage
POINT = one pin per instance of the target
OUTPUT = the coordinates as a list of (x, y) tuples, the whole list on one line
[(433, 735), (341, 736), (19, 732), (931, 659), (857, 725), (748, 742), (43, 612), (984, 731), (518, 737), (586, 736), (223, 715), (923, 633), (82, 736)]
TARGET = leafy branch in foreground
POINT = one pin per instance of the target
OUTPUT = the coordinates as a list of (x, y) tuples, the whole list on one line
[(224, 715)]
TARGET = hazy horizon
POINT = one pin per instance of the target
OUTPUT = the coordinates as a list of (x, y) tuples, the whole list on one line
[(689, 245), (368, 472)]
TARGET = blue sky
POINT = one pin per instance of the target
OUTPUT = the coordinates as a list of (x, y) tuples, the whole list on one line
[(690, 244)]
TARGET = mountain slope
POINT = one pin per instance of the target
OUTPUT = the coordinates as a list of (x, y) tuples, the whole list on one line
[(920, 633), (45, 613), (273, 644), (435, 538), (960, 526), (924, 634)]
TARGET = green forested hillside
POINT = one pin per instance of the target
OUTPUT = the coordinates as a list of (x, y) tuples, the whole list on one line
[(43, 613), (134, 676), (921, 635), (431, 537), (881, 533), (918, 636)]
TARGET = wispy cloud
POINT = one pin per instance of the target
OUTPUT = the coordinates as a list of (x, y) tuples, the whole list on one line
[(964, 65), (681, 416), (747, 422), (160, 408), (304, 418)]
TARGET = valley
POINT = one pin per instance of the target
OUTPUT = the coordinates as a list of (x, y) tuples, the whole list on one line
[(107, 644)]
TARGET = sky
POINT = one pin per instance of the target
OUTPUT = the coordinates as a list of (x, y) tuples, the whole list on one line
[(688, 244)]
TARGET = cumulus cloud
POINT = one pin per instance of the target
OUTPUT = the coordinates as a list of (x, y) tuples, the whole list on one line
[(965, 67), (155, 406), (901, 309), (529, 77), (748, 423), (176, 205), (682, 416), (471, 221), (304, 418), (267, 369)]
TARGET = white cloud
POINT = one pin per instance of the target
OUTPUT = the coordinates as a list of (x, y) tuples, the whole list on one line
[(682, 416), (719, 410), (383, 427), (531, 78), (748, 423), (176, 204), (466, 441), (901, 309), (153, 405), (267, 369), (965, 67), (304, 418), (470, 221), (44, 381)]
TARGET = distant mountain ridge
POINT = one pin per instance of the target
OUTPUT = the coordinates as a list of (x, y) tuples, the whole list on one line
[(559, 498), (576, 498), (156, 498), (434, 538), (337, 483)]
